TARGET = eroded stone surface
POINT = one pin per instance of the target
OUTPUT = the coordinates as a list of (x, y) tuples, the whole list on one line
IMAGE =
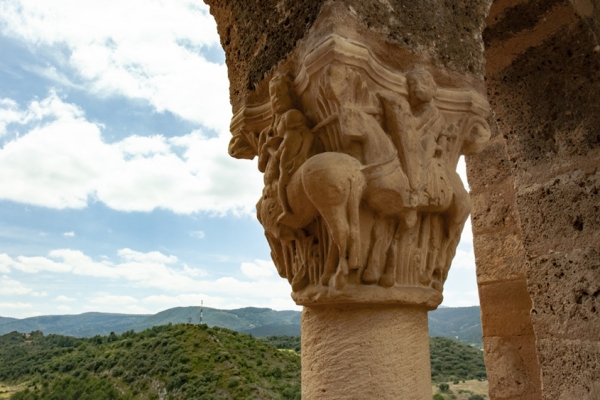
[(542, 74), (512, 367), (353, 344), (257, 36)]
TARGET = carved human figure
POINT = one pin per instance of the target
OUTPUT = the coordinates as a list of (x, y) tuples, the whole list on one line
[(418, 131), (291, 126)]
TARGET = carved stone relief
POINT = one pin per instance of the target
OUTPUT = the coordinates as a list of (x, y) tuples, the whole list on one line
[(361, 201)]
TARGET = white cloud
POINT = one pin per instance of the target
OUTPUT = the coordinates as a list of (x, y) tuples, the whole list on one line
[(11, 287), (151, 257), (259, 268), (33, 265), (193, 272), (466, 238), (158, 271), (460, 298), (464, 260), (69, 234), (5, 262), (62, 307), (145, 49), (63, 162), (9, 113), (63, 298), (15, 306)]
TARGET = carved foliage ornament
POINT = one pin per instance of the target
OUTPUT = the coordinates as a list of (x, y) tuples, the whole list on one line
[(362, 202)]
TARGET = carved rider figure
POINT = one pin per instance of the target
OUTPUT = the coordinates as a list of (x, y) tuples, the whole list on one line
[(286, 144), (418, 131)]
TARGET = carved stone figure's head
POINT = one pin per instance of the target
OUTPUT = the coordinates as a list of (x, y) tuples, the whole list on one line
[(421, 86), (280, 91)]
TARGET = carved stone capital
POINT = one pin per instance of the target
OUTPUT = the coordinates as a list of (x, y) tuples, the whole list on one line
[(362, 202)]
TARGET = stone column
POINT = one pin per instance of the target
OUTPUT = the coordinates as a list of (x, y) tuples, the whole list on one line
[(358, 112), (365, 352)]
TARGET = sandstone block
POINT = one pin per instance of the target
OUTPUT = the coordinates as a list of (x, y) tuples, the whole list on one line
[(512, 368), (494, 211), (569, 369), (499, 256), (565, 289), (489, 169), (505, 308), (561, 213)]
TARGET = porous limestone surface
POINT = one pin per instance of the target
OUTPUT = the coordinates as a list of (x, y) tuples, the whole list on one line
[(351, 352)]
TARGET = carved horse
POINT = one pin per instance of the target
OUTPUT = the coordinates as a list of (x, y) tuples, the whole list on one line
[(361, 164)]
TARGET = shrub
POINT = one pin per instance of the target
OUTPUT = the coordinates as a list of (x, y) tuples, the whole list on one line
[(476, 397), (444, 387), (233, 382), (438, 396)]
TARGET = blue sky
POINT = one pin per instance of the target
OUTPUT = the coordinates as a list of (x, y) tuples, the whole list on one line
[(116, 190)]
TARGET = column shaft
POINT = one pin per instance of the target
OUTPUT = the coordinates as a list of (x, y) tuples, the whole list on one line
[(357, 352)]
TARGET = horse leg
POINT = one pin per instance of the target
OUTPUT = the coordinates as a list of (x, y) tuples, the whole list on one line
[(330, 262), (348, 237), (381, 236), (335, 218)]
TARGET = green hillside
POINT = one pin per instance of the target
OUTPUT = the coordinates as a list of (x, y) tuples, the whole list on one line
[(171, 361), (182, 361), (460, 323)]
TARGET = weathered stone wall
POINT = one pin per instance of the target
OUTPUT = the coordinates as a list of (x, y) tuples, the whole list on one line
[(536, 214), (508, 337), (258, 35)]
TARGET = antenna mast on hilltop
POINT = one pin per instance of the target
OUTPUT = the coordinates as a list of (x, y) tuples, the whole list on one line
[(201, 304)]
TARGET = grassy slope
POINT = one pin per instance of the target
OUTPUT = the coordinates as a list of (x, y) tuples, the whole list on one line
[(180, 362)]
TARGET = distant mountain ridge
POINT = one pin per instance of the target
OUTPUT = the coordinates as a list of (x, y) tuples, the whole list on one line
[(461, 323), (81, 325)]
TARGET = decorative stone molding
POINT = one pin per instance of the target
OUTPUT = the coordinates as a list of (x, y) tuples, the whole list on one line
[(362, 202)]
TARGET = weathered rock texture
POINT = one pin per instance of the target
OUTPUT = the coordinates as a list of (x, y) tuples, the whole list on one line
[(358, 112), (303, 72), (536, 217), (391, 344), (258, 35)]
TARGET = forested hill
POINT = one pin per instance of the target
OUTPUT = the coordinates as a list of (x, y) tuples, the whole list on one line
[(182, 361), (461, 323)]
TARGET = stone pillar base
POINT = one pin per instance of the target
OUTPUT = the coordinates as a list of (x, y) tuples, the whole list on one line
[(362, 352)]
